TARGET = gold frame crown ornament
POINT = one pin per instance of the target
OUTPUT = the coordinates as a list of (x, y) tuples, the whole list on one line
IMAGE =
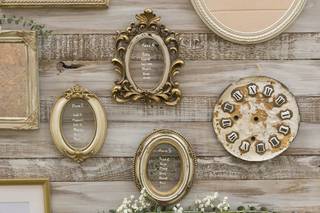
[(147, 26), (78, 154)]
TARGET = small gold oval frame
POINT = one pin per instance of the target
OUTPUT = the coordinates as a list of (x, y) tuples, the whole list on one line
[(78, 154), (167, 90), (188, 162)]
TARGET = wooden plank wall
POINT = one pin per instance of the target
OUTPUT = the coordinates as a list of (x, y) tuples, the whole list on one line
[(288, 183)]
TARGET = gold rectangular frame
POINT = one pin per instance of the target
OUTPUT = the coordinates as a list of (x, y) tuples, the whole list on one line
[(31, 121), (54, 3), (42, 181)]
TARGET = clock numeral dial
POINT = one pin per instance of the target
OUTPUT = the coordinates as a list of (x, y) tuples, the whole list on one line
[(283, 129), (252, 89), (280, 100), (260, 148), (274, 141), (227, 107), (232, 137), (226, 122), (237, 95), (268, 91), (245, 146)]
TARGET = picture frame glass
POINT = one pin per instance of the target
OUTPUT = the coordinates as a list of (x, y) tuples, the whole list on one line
[(147, 64), (23, 199), (78, 123), (164, 168)]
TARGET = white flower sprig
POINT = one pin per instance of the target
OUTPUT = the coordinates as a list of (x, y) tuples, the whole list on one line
[(133, 205), (212, 204), (177, 208)]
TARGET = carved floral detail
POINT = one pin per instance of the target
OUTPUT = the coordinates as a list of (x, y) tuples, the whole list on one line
[(78, 91), (124, 91)]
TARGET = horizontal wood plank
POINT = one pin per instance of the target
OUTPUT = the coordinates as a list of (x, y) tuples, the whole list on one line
[(38, 144), (178, 15), (285, 196), (197, 78), (194, 46), (121, 169)]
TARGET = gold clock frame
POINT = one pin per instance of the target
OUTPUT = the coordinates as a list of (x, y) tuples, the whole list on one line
[(126, 89), (188, 159), (31, 120), (78, 154), (54, 3)]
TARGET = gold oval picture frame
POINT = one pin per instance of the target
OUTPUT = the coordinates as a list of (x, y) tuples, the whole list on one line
[(78, 154), (248, 21), (187, 170), (147, 27)]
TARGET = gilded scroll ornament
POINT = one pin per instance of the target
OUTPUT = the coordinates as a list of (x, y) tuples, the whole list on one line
[(147, 27)]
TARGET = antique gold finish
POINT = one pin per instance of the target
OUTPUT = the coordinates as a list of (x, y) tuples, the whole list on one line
[(54, 3), (31, 120), (43, 182), (188, 162), (126, 89), (78, 154), (208, 10)]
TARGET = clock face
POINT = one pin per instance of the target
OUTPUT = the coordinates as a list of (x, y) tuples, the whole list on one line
[(256, 118)]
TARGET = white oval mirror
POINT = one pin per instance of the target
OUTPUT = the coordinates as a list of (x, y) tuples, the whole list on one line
[(248, 21)]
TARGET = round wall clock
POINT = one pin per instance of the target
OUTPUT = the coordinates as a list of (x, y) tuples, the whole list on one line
[(248, 21), (256, 118)]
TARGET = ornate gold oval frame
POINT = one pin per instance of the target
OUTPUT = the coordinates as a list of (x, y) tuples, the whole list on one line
[(187, 158), (54, 3), (248, 37), (78, 154), (126, 89)]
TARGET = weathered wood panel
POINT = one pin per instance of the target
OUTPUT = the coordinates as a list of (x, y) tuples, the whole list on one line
[(120, 169), (38, 144), (190, 109), (194, 46), (178, 15), (197, 78), (285, 196)]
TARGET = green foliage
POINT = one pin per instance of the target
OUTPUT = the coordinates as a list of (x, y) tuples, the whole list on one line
[(26, 23)]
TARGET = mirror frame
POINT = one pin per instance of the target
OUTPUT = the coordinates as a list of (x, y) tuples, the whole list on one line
[(248, 37), (53, 3), (78, 154), (32, 119), (188, 164), (125, 89)]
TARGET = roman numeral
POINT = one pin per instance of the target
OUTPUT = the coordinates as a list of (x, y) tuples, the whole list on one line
[(245, 146), (274, 141), (280, 100), (232, 137), (268, 90), (284, 129), (252, 89), (237, 95), (286, 115), (260, 148), (225, 122), (227, 107)]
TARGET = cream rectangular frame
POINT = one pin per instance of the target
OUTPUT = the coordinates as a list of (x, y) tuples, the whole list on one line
[(44, 182), (54, 3), (31, 120)]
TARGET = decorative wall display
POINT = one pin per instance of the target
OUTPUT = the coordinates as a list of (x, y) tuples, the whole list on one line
[(54, 3), (25, 196), (76, 109), (248, 21), (19, 85), (164, 165), (256, 118), (147, 58)]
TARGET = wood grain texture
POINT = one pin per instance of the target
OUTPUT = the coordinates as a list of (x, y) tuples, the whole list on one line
[(178, 15), (194, 46), (118, 144), (196, 78), (285, 196), (120, 169)]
